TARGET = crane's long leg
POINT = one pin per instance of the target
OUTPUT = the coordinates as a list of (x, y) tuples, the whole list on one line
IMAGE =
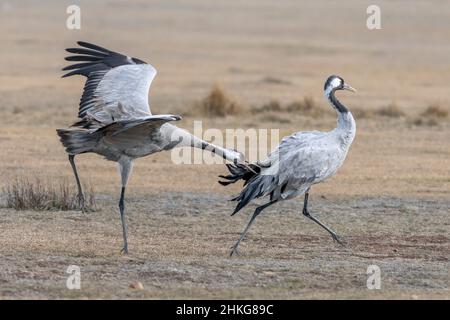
[(125, 167), (307, 214), (234, 249), (122, 218), (80, 195)]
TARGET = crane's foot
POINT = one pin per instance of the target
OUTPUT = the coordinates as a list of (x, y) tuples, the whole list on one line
[(234, 250), (124, 249), (337, 238), (81, 203)]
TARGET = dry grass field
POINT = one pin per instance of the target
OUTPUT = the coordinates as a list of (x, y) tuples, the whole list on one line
[(390, 200)]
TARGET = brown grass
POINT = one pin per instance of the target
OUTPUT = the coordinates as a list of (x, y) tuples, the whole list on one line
[(273, 80), (35, 194), (271, 106), (392, 111), (218, 103), (360, 113), (306, 106), (274, 118), (427, 121), (179, 248), (184, 253), (431, 116), (435, 111)]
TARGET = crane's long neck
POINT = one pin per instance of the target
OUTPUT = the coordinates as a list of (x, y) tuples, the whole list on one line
[(182, 138), (346, 123), (335, 103)]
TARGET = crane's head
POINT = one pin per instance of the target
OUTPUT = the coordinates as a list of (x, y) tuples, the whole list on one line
[(336, 83)]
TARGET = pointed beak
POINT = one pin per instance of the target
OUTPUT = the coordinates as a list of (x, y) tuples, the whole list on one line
[(349, 88)]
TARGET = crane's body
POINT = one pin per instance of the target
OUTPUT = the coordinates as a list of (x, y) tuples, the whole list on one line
[(112, 143), (307, 158), (297, 163), (115, 117)]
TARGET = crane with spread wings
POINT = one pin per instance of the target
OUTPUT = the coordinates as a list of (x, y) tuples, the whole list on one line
[(115, 120)]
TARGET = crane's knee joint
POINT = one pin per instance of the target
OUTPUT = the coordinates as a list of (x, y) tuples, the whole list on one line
[(306, 212)]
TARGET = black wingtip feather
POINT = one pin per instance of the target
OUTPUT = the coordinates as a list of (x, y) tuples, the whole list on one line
[(71, 73), (93, 46), (87, 52), (82, 58), (77, 66)]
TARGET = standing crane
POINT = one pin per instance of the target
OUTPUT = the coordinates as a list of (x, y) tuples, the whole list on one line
[(115, 118), (298, 162)]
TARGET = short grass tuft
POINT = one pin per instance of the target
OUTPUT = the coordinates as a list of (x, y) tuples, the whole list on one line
[(306, 106), (218, 104), (392, 111), (431, 116), (35, 194), (271, 106), (435, 111)]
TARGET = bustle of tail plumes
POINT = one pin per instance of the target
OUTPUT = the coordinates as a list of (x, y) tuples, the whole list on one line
[(78, 140), (80, 137), (239, 172), (255, 184)]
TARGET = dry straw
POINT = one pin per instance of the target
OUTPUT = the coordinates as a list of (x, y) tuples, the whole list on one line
[(36, 194)]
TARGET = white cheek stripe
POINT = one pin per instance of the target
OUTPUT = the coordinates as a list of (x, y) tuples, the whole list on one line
[(335, 83)]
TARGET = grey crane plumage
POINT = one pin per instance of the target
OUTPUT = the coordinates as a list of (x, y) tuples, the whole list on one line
[(115, 118), (297, 163)]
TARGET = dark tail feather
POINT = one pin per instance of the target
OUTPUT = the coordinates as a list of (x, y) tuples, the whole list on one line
[(258, 186), (77, 140), (255, 185), (247, 197), (239, 172)]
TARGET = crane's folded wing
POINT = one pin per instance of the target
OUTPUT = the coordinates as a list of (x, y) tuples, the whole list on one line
[(130, 126)]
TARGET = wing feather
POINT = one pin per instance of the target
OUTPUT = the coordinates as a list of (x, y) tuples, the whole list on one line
[(86, 52), (81, 58), (126, 126), (93, 46), (117, 85)]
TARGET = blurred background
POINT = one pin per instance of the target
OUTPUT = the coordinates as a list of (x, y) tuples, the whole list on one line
[(245, 64), (271, 59)]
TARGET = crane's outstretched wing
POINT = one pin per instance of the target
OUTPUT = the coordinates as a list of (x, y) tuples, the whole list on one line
[(117, 86)]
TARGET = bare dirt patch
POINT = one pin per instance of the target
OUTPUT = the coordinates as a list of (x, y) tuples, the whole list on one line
[(180, 250)]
